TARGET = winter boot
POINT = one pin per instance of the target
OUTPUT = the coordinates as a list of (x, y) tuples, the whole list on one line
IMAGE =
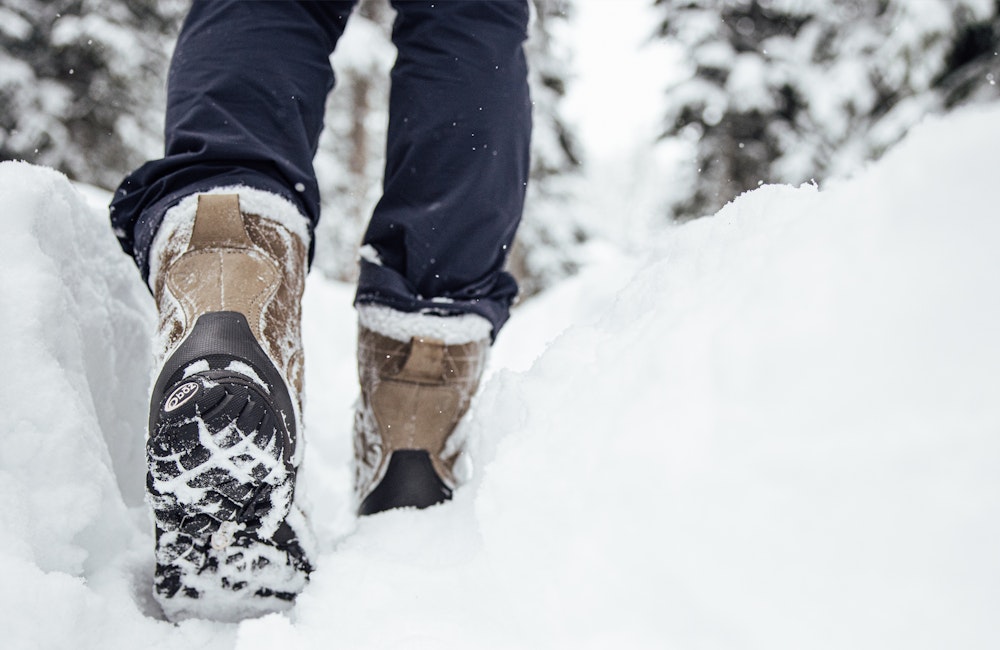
[(418, 375), (224, 425)]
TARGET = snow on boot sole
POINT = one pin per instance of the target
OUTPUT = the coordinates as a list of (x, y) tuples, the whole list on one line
[(221, 480)]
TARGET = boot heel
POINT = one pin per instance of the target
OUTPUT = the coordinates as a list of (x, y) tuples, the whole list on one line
[(409, 482)]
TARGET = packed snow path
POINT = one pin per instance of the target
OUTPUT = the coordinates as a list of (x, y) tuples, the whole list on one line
[(778, 427)]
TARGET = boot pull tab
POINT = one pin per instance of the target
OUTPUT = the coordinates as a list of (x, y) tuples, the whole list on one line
[(218, 222), (425, 363)]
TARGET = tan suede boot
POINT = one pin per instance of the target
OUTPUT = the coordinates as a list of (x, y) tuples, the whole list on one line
[(225, 425), (413, 395)]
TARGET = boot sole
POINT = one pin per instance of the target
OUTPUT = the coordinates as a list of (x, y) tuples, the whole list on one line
[(221, 481)]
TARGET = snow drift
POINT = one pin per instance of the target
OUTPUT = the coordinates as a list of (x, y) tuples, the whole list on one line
[(773, 428)]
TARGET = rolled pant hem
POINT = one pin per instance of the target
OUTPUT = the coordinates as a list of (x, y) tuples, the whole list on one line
[(379, 285)]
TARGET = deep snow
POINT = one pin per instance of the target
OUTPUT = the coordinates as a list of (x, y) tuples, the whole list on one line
[(772, 428)]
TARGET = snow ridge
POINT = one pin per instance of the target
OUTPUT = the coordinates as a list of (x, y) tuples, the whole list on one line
[(779, 433)]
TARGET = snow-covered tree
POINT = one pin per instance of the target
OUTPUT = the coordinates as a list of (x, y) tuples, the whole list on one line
[(351, 156), (81, 83), (549, 241), (791, 90)]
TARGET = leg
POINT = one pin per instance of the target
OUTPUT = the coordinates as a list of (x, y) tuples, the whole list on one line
[(432, 289), (245, 101), (457, 161)]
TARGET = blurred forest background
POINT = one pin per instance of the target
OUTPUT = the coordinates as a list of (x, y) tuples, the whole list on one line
[(768, 91)]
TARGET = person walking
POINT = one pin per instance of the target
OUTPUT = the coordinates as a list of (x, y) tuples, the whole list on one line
[(221, 229)]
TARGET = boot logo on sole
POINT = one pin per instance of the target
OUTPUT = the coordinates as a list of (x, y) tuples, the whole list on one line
[(181, 395)]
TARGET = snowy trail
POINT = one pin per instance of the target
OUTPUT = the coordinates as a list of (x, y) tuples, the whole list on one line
[(773, 428)]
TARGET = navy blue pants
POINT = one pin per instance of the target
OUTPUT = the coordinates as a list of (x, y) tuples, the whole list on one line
[(246, 95)]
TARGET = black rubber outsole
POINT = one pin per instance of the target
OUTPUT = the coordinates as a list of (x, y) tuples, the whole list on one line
[(410, 481), (221, 480)]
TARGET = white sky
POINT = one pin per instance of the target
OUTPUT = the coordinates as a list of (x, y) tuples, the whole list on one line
[(616, 97)]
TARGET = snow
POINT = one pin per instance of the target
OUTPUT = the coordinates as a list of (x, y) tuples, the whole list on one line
[(771, 428), (401, 326)]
